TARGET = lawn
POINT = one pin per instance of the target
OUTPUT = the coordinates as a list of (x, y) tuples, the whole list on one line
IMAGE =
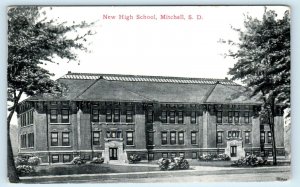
[(44, 170)]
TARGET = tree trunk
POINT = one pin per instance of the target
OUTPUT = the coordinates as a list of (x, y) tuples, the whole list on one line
[(11, 168), (273, 144)]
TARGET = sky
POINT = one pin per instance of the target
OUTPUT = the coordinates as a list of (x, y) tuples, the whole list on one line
[(158, 47), (184, 48)]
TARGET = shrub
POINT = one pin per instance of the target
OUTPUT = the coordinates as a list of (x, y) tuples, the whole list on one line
[(21, 161), (173, 163), (34, 161), (24, 169), (251, 160), (214, 156), (97, 160), (134, 158), (78, 161)]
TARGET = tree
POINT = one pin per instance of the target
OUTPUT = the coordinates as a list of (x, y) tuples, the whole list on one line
[(32, 41), (263, 63)]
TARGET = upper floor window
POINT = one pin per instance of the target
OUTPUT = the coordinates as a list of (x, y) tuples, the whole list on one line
[(180, 117), (150, 138), (230, 117), (65, 139), (114, 134), (193, 138), (30, 140), (247, 137), (219, 117), (246, 117), (219, 137), (129, 116), (149, 117), (108, 115), (236, 117), (65, 116), (233, 134), (172, 117), (262, 137), (23, 141), (193, 117), (164, 138), (53, 116), (164, 116), (129, 138), (172, 138), (54, 138), (96, 138), (269, 137), (31, 117), (180, 138), (117, 115), (95, 115)]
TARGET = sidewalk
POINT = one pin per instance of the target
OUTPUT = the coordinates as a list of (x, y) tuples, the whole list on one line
[(193, 171)]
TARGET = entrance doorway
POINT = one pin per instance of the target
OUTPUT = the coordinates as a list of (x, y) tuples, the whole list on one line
[(233, 151), (113, 153)]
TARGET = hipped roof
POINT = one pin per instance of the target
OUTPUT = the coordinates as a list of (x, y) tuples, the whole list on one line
[(132, 88)]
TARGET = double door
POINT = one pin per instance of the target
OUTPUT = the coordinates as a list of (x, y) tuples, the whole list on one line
[(113, 153)]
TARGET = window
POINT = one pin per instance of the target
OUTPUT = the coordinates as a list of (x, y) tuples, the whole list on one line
[(247, 137), (233, 134), (96, 138), (219, 137), (172, 138), (117, 115), (53, 116), (31, 117), (269, 137), (181, 155), (30, 140), (229, 117), (193, 138), (65, 139), (219, 117), (67, 158), (164, 138), (23, 141), (65, 116), (236, 117), (55, 158), (194, 155), (129, 138), (262, 137), (193, 117), (95, 115), (129, 116), (246, 117), (108, 115), (164, 155), (180, 138), (150, 138), (150, 156), (172, 116), (54, 139), (164, 117), (149, 116), (172, 155), (180, 117), (114, 134)]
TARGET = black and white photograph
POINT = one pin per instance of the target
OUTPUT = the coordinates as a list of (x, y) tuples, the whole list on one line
[(148, 94)]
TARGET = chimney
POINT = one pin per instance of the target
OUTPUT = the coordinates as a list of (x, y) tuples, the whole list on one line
[(226, 78), (69, 72)]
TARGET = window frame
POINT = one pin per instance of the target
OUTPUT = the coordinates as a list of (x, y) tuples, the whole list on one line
[(150, 140), (95, 115), (194, 138), (129, 140), (219, 117), (54, 143), (269, 135), (53, 117), (63, 119), (164, 139), (236, 116), (246, 117), (64, 138), (52, 158), (64, 160), (108, 115), (172, 118), (230, 117), (172, 138), (247, 137), (96, 140), (164, 116), (150, 116), (193, 117), (262, 138), (30, 140), (129, 116), (219, 137), (181, 139), (117, 114), (180, 117)]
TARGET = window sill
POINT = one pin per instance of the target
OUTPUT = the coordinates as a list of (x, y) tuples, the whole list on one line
[(172, 145), (173, 124), (130, 145), (60, 146), (151, 145), (112, 123), (24, 148), (27, 126), (60, 123)]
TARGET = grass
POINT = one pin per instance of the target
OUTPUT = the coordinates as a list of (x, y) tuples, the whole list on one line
[(45, 170)]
